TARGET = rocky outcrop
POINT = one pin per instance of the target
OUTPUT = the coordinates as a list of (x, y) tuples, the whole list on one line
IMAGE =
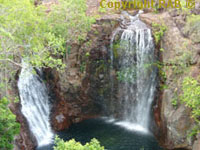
[(25, 140), (180, 59), (79, 91)]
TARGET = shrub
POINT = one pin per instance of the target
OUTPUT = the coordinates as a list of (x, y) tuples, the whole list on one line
[(191, 98), (28, 31), (73, 145), (8, 126), (159, 31)]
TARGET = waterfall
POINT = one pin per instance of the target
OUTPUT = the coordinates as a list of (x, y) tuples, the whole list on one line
[(136, 73), (35, 104)]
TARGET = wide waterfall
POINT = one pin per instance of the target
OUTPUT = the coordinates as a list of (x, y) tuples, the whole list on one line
[(136, 73), (35, 105)]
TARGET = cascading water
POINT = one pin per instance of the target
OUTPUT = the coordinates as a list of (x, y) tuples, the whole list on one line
[(35, 105), (137, 74)]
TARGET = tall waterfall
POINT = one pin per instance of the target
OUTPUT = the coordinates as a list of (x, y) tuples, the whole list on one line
[(136, 72), (35, 105)]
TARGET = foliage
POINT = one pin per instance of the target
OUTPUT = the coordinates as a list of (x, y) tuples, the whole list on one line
[(102, 10), (40, 35), (184, 8), (73, 145), (175, 99), (28, 31), (69, 20), (162, 74), (162, 49), (195, 130), (181, 63), (192, 27), (159, 31), (82, 67), (116, 49), (174, 102), (191, 96), (8, 127)]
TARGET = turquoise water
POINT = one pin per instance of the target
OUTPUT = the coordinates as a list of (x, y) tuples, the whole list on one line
[(111, 136)]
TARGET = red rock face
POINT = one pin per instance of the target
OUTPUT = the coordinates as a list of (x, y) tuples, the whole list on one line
[(64, 115), (75, 94), (25, 140)]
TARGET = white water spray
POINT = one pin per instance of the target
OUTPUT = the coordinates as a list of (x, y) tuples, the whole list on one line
[(35, 105), (138, 74)]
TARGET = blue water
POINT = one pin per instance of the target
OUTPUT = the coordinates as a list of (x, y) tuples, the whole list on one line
[(111, 136)]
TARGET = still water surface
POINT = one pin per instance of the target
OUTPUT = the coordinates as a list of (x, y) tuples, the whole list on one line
[(110, 135)]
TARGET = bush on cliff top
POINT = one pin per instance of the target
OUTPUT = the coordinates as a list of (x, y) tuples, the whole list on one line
[(73, 145), (30, 31), (42, 36)]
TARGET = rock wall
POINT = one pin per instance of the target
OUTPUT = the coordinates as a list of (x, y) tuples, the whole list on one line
[(178, 50), (78, 92)]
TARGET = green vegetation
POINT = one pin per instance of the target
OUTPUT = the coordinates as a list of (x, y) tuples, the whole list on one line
[(158, 31), (174, 102), (162, 74), (191, 96), (8, 126), (41, 35), (181, 63), (73, 145), (195, 130), (29, 32), (102, 10), (192, 28), (175, 99), (184, 8)]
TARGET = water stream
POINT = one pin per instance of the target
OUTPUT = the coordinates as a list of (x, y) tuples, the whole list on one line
[(35, 104), (136, 73)]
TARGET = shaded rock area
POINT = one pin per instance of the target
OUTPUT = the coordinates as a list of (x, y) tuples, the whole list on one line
[(78, 92), (180, 59), (25, 140)]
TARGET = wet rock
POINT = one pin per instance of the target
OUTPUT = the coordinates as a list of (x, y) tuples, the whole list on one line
[(25, 140)]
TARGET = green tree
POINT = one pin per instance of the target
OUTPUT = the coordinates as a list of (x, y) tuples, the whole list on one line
[(43, 38), (73, 145), (39, 37), (8, 126), (28, 31)]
